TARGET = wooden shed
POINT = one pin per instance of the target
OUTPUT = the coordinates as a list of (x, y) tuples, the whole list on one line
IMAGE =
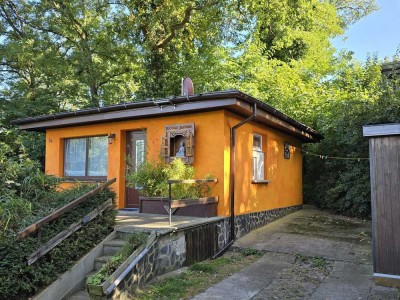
[(384, 152)]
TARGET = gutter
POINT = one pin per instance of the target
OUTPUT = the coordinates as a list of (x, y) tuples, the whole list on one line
[(232, 178)]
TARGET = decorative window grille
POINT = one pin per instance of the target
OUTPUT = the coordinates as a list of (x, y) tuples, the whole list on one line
[(178, 142)]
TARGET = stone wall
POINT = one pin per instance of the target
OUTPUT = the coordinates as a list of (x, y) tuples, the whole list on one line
[(168, 253), (248, 222)]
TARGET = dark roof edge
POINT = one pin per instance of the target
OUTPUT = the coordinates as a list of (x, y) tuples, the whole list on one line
[(172, 101)]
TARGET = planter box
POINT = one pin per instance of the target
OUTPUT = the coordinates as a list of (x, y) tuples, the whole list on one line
[(100, 290), (155, 205)]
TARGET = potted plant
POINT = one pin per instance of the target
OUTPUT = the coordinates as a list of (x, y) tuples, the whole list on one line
[(152, 178), (98, 283)]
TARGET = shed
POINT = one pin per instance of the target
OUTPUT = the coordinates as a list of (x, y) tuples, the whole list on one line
[(384, 152)]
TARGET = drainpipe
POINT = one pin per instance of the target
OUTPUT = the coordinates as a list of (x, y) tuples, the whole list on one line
[(232, 177)]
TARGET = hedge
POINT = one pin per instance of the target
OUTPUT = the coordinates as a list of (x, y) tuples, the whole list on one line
[(20, 281)]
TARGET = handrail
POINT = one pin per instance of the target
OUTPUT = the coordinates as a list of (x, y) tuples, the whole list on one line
[(185, 181), (59, 212), (191, 180)]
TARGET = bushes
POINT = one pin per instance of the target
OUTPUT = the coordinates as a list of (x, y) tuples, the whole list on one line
[(26, 196), (153, 177), (343, 186), (19, 279)]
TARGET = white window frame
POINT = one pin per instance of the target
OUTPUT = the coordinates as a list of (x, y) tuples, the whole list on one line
[(258, 159)]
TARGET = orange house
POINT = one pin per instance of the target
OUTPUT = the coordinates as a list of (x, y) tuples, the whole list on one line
[(252, 149)]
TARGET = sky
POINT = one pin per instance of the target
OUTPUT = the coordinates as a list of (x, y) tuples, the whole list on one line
[(378, 33)]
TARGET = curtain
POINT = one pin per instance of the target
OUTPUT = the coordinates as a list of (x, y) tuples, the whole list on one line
[(75, 157), (97, 158)]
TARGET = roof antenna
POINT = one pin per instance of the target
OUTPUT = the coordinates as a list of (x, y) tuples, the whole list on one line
[(187, 87)]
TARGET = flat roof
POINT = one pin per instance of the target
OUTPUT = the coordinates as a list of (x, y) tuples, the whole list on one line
[(231, 100), (390, 68), (381, 129)]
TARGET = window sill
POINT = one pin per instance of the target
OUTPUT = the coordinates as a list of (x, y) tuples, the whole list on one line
[(260, 181), (84, 179)]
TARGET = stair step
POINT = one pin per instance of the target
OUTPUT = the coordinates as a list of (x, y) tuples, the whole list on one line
[(81, 295), (90, 274), (100, 261), (123, 234), (113, 246)]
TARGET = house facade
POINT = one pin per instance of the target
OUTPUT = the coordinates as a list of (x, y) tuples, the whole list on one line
[(263, 162)]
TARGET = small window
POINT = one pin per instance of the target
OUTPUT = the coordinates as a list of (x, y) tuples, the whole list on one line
[(258, 158), (86, 157)]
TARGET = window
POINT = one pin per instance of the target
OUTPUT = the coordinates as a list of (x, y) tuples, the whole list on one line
[(86, 157), (258, 158)]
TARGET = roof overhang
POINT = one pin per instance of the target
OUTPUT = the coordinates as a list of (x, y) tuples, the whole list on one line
[(233, 101), (381, 130)]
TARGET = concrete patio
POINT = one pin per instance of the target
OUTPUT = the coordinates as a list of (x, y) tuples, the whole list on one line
[(309, 254), (132, 220)]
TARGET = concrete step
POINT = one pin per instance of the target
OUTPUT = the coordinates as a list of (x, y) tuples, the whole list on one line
[(123, 235), (100, 261), (113, 246), (81, 295), (90, 274)]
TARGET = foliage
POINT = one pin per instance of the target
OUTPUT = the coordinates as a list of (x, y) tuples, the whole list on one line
[(153, 177), (133, 242), (19, 279), (364, 97)]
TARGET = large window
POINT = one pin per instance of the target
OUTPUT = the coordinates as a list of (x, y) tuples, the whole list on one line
[(86, 157), (258, 158)]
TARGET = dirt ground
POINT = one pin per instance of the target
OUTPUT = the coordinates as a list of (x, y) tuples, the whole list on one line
[(309, 254)]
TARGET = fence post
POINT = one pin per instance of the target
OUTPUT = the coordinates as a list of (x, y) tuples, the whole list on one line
[(169, 202)]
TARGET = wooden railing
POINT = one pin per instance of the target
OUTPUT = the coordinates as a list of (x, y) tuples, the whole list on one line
[(72, 228), (173, 205), (59, 212)]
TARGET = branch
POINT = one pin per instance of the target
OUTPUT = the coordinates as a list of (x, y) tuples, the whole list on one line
[(10, 22), (173, 28), (126, 70)]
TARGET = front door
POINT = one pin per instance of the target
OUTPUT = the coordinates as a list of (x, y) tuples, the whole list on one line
[(136, 154)]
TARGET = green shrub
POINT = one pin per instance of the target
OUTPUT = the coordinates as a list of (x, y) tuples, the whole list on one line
[(20, 280), (133, 242), (152, 178)]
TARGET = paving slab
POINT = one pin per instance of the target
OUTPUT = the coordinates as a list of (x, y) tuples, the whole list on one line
[(249, 282), (346, 281), (309, 254)]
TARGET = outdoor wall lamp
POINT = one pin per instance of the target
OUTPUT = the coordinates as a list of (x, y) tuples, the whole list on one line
[(111, 138)]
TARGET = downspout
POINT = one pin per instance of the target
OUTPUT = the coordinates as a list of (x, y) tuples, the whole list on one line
[(232, 177)]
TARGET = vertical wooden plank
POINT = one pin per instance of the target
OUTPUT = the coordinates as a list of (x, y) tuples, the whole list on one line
[(388, 191), (372, 164), (395, 199), (380, 255), (384, 207)]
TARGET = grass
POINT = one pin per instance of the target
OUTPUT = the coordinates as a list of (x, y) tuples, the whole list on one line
[(199, 276)]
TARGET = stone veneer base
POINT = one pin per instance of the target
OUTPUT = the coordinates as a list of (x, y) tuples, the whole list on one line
[(169, 252), (248, 222)]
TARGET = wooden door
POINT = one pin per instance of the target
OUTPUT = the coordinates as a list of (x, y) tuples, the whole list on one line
[(136, 154)]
